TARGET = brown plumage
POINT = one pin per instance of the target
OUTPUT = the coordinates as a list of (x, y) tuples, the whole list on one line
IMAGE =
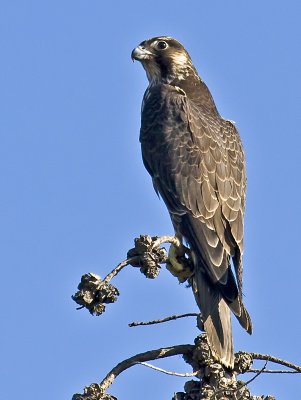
[(196, 161)]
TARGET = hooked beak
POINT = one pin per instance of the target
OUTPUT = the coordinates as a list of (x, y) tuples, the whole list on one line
[(140, 54)]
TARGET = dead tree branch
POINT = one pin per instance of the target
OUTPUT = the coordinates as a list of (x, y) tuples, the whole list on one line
[(97, 391), (160, 321), (267, 357), (164, 371), (274, 371)]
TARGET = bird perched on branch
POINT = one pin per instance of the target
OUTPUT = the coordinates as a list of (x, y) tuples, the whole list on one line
[(196, 161)]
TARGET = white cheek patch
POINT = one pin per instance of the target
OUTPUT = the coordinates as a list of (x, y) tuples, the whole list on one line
[(181, 65), (180, 59)]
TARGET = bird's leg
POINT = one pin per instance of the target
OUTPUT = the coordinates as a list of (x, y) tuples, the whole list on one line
[(178, 262)]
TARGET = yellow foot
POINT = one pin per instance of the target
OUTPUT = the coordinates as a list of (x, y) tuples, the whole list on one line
[(177, 264)]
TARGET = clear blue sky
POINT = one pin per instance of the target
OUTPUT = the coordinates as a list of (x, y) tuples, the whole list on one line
[(74, 192)]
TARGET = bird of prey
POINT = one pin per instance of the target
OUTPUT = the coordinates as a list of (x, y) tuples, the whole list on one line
[(196, 161)]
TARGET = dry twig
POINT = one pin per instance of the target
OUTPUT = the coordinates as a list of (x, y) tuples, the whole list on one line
[(164, 371), (160, 321), (274, 371), (267, 357)]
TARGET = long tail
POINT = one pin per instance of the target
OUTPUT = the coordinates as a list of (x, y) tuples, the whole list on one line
[(217, 319), (215, 287)]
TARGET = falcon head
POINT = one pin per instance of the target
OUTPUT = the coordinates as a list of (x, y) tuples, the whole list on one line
[(164, 59)]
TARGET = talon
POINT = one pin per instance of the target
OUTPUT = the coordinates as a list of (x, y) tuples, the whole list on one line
[(177, 264)]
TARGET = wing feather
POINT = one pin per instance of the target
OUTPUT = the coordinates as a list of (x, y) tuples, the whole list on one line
[(197, 160)]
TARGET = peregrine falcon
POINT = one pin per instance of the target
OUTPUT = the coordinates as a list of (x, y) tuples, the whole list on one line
[(196, 161)]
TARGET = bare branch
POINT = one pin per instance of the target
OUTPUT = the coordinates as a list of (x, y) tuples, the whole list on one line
[(98, 391), (160, 321), (267, 357), (142, 357), (275, 371), (120, 266), (183, 374)]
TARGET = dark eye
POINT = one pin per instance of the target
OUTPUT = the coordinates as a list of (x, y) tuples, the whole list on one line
[(162, 45)]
